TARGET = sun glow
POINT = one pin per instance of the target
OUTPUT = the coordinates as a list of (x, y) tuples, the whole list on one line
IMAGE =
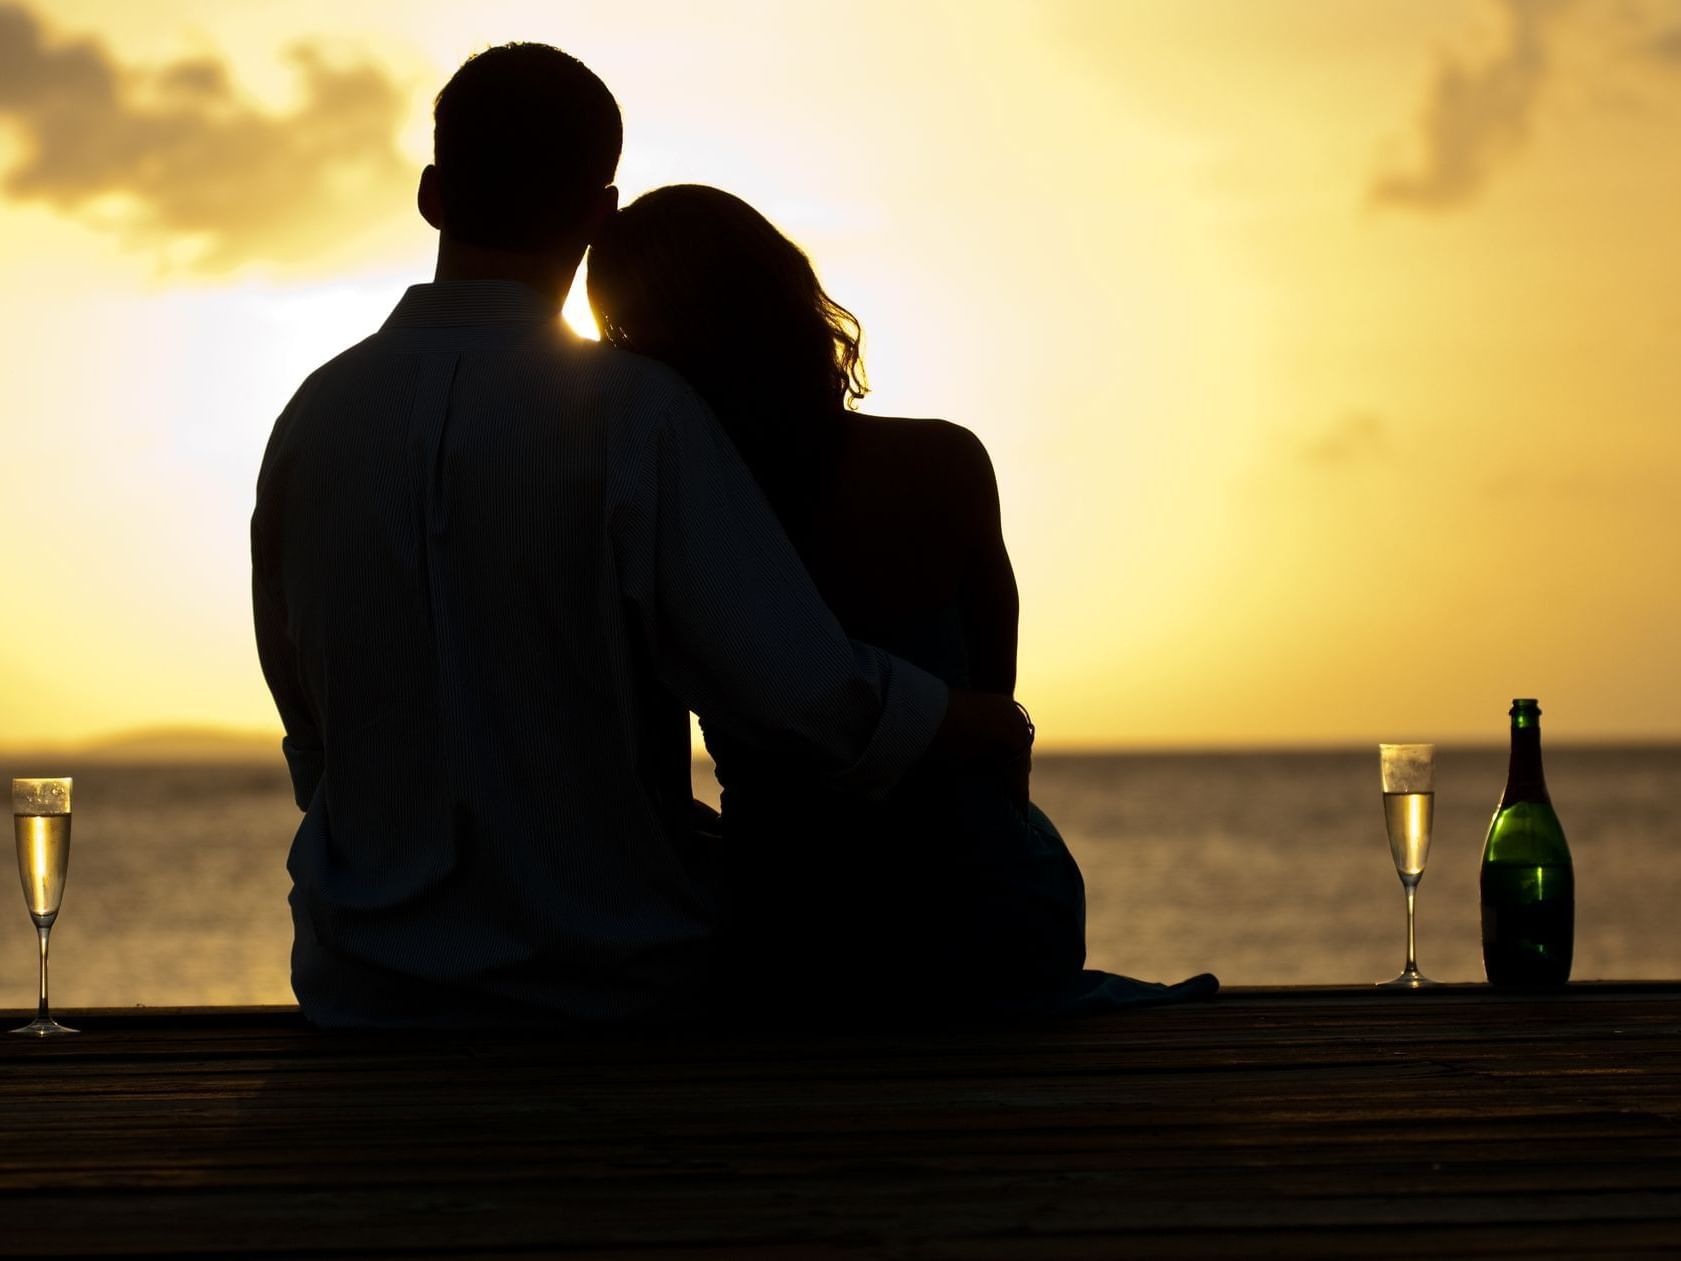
[(576, 312)]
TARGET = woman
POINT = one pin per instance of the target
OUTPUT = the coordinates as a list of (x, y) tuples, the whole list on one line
[(945, 897)]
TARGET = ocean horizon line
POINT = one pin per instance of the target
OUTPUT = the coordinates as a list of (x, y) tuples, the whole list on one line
[(177, 744)]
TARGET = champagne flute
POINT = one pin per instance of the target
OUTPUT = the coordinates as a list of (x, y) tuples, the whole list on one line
[(1409, 804), (41, 818)]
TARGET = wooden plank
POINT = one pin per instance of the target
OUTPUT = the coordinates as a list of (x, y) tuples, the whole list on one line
[(1301, 1123)]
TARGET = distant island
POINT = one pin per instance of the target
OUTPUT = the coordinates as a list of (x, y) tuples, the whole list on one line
[(163, 744)]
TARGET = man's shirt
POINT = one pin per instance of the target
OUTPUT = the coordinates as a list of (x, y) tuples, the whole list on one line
[(494, 565)]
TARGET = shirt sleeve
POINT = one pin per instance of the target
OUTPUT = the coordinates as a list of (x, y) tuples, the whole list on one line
[(736, 629), (302, 743)]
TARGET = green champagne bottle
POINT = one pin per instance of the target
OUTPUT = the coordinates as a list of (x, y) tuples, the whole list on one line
[(1528, 883)]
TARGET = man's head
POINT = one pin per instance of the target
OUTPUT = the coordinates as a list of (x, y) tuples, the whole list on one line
[(525, 143)]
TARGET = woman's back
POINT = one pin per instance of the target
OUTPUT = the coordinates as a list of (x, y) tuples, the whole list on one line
[(897, 523), (943, 895), (891, 534), (899, 529)]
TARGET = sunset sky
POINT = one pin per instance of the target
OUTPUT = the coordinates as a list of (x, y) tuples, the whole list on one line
[(1329, 353)]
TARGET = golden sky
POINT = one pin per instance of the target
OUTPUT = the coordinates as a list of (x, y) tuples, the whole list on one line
[(1329, 353)]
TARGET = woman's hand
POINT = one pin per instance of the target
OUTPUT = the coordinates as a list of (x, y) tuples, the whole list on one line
[(981, 727), (990, 730)]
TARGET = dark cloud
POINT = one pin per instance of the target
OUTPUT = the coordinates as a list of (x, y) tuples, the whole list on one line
[(1475, 116), (1666, 46), (175, 157), (1354, 436)]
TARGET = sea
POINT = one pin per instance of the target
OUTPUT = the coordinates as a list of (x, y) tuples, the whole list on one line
[(1263, 868)]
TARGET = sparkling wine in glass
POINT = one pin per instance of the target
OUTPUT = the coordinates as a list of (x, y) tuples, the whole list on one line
[(1409, 804), (41, 819)]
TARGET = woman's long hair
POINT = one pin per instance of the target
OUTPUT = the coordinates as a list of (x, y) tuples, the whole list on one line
[(697, 278)]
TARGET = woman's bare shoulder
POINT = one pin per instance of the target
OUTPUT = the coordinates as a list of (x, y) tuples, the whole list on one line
[(935, 473), (937, 445)]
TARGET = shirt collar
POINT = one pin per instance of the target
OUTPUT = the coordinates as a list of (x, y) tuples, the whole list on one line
[(461, 303)]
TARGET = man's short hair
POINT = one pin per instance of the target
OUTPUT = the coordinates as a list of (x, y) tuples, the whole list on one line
[(523, 137)]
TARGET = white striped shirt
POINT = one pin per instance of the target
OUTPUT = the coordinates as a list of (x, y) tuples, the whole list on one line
[(494, 564)]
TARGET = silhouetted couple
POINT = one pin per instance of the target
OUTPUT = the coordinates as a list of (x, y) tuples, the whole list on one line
[(495, 566)]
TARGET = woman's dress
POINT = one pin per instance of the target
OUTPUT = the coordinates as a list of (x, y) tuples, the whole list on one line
[(942, 899)]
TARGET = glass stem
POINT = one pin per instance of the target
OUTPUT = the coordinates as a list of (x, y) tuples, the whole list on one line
[(1412, 939), (43, 930)]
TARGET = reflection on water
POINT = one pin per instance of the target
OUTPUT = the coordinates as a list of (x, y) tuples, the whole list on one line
[(1267, 869)]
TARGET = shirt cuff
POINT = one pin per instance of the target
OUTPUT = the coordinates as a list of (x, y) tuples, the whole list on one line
[(306, 766), (913, 707)]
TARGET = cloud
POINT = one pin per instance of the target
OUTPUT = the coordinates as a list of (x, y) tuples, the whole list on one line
[(1476, 116), (1666, 46), (175, 159), (1355, 436)]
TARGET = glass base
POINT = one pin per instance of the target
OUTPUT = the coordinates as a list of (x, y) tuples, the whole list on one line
[(45, 1027), (1410, 979)]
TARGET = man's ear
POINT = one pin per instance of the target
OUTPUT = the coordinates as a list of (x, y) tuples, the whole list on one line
[(430, 199)]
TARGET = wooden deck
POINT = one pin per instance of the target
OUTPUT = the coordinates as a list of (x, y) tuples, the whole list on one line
[(1284, 1123)]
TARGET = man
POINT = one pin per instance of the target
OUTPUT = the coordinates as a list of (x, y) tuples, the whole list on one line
[(494, 565)]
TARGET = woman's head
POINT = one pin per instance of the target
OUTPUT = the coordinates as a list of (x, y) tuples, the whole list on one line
[(699, 279)]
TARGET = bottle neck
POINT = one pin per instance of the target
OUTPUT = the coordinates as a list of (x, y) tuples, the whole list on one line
[(1524, 778)]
